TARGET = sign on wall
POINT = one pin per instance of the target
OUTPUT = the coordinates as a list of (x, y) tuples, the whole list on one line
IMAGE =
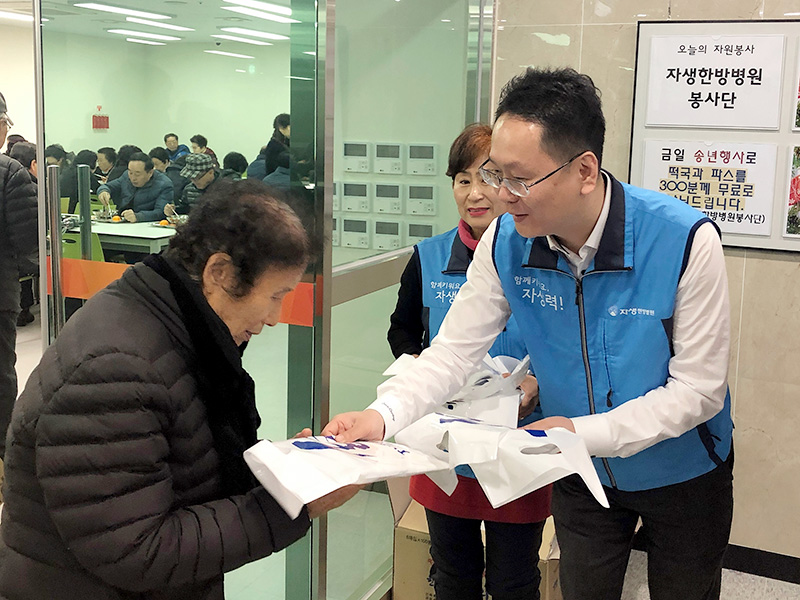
[(715, 81), (732, 184), (716, 123)]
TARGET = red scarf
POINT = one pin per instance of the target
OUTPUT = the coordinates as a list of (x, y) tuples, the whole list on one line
[(465, 233)]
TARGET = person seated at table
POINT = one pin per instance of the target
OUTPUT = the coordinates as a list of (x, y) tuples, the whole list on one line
[(11, 140), (162, 163), (68, 181), (233, 166), (276, 153), (174, 147), (123, 157), (106, 160), (141, 193), (55, 154), (25, 154), (124, 470), (258, 168), (200, 171), (200, 146)]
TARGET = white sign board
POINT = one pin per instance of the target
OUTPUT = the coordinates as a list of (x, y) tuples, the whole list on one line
[(732, 184), (731, 81)]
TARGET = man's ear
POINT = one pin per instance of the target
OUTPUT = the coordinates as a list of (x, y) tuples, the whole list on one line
[(589, 169)]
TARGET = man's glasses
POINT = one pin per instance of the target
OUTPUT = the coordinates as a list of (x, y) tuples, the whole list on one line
[(515, 186)]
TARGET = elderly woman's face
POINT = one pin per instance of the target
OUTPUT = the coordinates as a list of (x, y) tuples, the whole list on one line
[(246, 316)]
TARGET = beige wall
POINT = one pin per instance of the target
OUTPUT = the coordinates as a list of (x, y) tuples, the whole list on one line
[(599, 38)]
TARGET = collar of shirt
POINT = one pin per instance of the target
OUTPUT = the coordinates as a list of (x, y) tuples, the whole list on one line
[(580, 262)]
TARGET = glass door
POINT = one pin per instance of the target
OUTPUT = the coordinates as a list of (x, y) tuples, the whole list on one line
[(156, 75)]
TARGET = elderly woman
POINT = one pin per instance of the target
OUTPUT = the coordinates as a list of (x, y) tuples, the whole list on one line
[(124, 471), (513, 531)]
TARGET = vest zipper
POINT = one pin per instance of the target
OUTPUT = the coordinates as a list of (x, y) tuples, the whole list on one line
[(586, 367)]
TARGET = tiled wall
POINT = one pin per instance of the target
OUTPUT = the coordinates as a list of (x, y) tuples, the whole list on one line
[(599, 38)]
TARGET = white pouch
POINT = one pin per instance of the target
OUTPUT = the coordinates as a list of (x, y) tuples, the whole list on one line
[(300, 470), (508, 463)]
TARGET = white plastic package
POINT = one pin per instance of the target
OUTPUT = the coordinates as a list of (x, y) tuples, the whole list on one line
[(300, 470), (508, 463), (487, 396)]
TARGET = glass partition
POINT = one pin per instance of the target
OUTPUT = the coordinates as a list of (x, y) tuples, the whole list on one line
[(403, 80), (129, 73)]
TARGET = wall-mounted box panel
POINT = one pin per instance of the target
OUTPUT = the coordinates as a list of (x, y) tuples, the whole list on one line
[(421, 159), (387, 198), (335, 233), (421, 200), (355, 232), (388, 158), (417, 231), (386, 234), (356, 156), (337, 200), (355, 197)]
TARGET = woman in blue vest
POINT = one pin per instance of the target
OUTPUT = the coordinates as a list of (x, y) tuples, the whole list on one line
[(427, 288)]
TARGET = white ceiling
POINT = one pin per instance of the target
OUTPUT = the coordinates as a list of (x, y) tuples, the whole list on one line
[(206, 17)]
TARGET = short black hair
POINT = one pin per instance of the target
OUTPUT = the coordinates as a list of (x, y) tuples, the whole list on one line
[(55, 151), (86, 157), (142, 157), (159, 153), (24, 153), (251, 223), (200, 140), (235, 162), (109, 153), (169, 135), (565, 103), (125, 153)]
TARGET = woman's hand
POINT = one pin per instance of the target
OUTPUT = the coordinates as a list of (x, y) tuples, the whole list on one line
[(335, 499)]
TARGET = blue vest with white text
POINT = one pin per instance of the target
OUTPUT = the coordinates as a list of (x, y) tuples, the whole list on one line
[(444, 260), (606, 338)]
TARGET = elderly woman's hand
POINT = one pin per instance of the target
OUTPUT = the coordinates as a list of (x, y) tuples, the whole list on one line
[(335, 499)]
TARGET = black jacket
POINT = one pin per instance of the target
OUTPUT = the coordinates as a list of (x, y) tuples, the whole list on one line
[(19, 230), (113, 483)]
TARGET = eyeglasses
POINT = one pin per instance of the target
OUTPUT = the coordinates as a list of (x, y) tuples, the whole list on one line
[(515, 186)]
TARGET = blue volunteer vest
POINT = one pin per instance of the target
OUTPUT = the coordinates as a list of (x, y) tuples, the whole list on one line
[(604, 339), (444, 260)]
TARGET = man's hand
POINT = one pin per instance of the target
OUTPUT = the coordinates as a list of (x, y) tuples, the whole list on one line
[(551, 423), (105, 198), (317, 508), (129, 215), (349, 427), (530, 396), (169, 211), (306, 432)]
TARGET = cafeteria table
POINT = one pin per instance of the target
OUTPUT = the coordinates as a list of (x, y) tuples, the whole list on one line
[(146, 238)]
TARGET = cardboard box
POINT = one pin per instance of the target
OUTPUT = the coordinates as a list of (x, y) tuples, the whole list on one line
[(412, 544)]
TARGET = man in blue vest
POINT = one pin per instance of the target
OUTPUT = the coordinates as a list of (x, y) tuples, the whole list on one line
[(621, 295)]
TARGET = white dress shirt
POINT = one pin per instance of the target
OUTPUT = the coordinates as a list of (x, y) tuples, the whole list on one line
[(695, 389)]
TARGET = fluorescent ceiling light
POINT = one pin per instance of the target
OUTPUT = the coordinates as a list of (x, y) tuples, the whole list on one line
[(259, 14), (15, 16), (302, 78), (241, 71), (281, 10), (310, 53), (148, 42), (254, 33), (121, 11), (233, 38), (157, 24), (140, 34), (221, 53)]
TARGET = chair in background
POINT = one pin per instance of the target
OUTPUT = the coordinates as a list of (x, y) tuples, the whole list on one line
[(71, 246)]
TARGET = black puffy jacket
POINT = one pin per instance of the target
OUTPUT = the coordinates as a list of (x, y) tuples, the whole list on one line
[(112, 481), (19, 233)]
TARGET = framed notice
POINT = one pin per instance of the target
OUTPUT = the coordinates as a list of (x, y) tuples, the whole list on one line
[(732, 184), (716, 124), (715, 81)]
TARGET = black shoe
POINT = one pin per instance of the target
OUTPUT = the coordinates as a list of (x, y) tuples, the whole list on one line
[(25, 318)]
